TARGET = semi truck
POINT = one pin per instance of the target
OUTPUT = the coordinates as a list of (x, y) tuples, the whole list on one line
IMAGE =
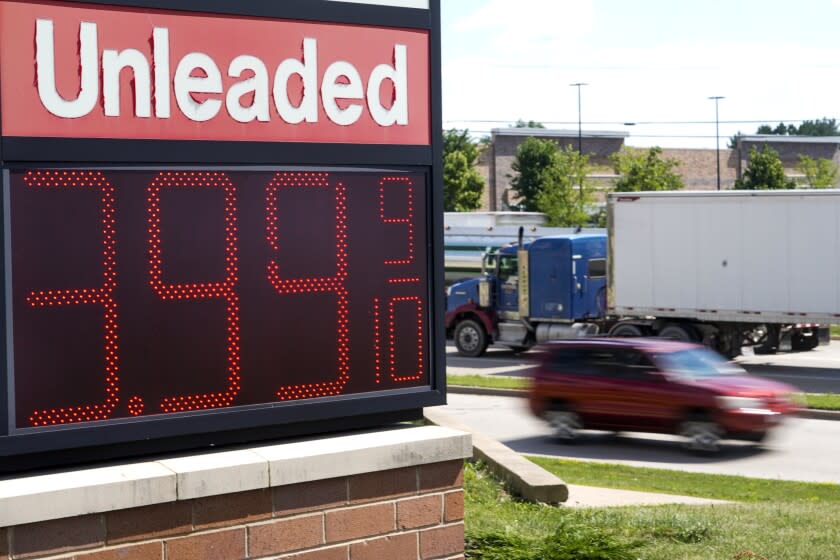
[(729, 269)]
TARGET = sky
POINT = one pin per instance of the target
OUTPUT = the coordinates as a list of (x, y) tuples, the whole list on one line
[(654, 63)]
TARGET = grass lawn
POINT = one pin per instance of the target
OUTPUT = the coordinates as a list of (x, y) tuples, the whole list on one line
[(822, 401), (777, 520)]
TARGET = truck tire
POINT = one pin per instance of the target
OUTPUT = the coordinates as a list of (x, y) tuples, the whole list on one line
[(683, 333), (626, 330), (470, 338), (802, 343)]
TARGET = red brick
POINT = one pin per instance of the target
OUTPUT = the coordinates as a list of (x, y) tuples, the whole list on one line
[(222, 545), (453, 506), (310, 496), (441, 476), (335, 553), (147, 551), (398, 547), (442, 541), (4, 544), (383, 485), (232, 509), (146, 523), (359, 522), (285, 535), (55, 537), (419, 512)]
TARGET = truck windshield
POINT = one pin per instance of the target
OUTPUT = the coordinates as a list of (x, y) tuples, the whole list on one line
[(508, 268), (488, 264), (695, 363)]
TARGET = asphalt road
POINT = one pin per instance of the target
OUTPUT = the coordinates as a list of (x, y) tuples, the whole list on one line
[(817, 371), (801, 449)]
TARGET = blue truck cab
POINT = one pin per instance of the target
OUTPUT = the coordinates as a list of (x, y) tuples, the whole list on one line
[(552, 288)]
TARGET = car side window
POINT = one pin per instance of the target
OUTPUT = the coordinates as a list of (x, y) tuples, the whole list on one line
[(565, 360), (605, 363), (636, 365)]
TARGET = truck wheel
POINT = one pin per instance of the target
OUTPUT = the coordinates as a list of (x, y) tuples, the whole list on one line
[(678, 332), (625, 331), (470, 338), (801, 343)]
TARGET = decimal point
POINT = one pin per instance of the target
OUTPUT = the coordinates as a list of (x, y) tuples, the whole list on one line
[(136, 406)]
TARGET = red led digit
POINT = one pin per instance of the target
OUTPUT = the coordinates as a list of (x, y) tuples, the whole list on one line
[(335, 284), (225, 289), (103, 295), (377, 342), (408, 280), (392, 338), (386, 185)]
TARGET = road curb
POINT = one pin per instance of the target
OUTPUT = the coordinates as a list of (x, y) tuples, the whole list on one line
[(810, 413), (524, 478)]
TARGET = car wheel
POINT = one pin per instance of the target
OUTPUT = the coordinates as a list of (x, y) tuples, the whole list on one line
[(702, 435), (470, 339), (566, 424)]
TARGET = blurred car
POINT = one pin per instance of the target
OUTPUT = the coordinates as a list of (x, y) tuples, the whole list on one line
[(654, 385)]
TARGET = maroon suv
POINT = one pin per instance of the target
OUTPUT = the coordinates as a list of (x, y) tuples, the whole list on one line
[(654, 385)]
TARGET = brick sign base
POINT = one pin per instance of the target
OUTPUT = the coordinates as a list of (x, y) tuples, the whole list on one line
[(409, 512)]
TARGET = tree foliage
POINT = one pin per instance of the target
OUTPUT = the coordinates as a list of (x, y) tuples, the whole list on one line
[(528, 124), (554, 181), (462, 184), (566, 194), (645, 170), (820, 173), (819, 127), (532, 157), (764, 171)]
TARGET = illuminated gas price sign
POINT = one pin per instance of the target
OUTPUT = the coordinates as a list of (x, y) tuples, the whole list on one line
[(139, 293)]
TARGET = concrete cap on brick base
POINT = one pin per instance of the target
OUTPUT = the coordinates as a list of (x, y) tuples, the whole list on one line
[(80, 491)]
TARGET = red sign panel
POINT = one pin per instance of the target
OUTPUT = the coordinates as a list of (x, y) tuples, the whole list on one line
[(92, 72)]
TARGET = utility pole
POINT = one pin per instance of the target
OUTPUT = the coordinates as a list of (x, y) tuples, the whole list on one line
[(580, 131), (717, 98)]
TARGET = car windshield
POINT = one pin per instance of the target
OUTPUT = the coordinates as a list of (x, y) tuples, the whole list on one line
[(695, 363)]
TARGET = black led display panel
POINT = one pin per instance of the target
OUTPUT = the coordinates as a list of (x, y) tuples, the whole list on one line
[(142, 293)]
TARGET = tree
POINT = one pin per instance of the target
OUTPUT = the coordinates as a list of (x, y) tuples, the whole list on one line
[(764, 171), (820, 127), (820, 173), (565, 195), (462, 184), (530, 124), (641, 170), (781, 129), (461, 141), (532, 157)]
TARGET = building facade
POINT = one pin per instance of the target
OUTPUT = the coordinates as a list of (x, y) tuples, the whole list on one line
[(697, 167)]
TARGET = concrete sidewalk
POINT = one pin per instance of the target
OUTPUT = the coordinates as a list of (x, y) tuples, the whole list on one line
[(534, 483)]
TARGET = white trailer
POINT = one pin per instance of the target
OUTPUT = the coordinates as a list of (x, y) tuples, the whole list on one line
[(730, 268)]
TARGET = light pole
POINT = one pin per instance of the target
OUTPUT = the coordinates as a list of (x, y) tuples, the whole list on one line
[(580, 131), (717, 98)]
